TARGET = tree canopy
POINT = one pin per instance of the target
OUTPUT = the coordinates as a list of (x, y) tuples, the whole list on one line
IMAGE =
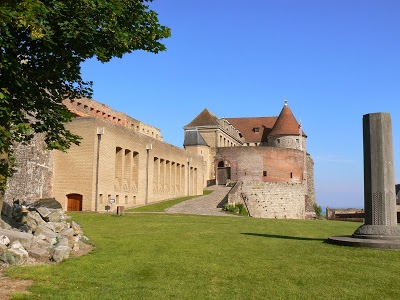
[(42, 45)]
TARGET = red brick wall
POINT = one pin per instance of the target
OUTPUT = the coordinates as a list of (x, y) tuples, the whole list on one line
[(250, 163)]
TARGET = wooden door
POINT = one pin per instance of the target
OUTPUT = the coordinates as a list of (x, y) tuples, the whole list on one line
[(74, 202)]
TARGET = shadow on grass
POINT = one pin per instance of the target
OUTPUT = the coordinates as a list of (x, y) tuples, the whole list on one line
[(285, 237)]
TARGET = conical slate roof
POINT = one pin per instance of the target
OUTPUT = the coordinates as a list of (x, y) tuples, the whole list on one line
[(193, 138), (205, 118), (286, 124)]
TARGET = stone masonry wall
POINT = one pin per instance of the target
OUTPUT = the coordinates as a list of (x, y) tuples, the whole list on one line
[(33, 177), (277, 200), (292, 142), (311, 196)]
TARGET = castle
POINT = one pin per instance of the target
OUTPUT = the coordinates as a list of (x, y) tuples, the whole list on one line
[(266, 156), (124, 162)]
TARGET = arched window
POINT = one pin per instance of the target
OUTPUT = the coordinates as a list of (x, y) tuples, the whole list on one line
[(221, 164)]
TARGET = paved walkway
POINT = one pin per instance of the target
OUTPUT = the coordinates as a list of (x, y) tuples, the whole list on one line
[(203, 205)]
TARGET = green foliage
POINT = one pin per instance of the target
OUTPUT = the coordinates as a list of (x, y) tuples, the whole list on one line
[(43, 43), (231, 207), (317, 210), (236, 208), (6, 170), (157, 256)]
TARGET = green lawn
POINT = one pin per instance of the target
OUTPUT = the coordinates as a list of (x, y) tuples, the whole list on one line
[(161, 206), (142, 256)]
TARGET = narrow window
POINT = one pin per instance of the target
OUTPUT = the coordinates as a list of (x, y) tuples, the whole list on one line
[(265, 173)]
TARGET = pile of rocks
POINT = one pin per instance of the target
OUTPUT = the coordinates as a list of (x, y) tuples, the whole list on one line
[(36, 233)]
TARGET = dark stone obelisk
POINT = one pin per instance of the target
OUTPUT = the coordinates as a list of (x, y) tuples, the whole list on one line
[(380, 229), (379, 183)]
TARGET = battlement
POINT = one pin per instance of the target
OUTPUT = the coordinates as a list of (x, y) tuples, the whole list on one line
[(85, 107)]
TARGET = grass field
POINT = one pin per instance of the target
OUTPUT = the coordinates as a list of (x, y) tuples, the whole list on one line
[(161, 206), (157, 256)]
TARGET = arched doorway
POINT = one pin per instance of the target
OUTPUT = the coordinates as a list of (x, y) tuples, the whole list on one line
[(223, 173), (74, 202)]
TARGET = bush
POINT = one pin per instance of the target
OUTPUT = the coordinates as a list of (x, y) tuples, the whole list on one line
[(236, 208), (318, 210), (232, 208)]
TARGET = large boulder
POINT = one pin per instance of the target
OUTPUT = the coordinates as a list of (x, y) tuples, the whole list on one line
[(60, 253), (47, 202), (25, 239), (39, 233), (15, 255), (41, 254), (44, 213), (43, 230)]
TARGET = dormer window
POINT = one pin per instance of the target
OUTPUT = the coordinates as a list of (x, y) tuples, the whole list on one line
[(256, 129)]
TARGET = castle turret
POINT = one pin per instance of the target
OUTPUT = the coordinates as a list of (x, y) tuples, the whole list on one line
[(287, 132)]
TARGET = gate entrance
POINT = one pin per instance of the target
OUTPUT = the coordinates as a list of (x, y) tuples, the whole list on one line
[(223, 173)]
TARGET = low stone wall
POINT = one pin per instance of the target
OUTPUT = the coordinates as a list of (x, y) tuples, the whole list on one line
[(350, 214), (277, 200), (345, 214)]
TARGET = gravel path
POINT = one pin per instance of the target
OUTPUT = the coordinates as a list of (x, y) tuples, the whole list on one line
[(203, 205)]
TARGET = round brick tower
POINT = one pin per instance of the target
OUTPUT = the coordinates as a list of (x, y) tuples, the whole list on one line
[(287, 132)]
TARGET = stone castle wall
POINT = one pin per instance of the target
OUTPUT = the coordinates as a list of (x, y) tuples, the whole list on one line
[(311, 198), (33, 177), (275, 182), (278, 200), (134, 169), (290, 141)]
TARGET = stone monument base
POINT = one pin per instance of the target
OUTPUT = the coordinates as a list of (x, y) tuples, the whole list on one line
[(369, 242), (371, 236), (380, 232)]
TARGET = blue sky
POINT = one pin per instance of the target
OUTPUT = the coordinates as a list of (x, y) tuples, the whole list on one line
[(333, 60)]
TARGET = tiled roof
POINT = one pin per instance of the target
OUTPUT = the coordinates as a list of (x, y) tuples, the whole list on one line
[(205, 118), (248, 128), (254, 129), (286, 124)]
